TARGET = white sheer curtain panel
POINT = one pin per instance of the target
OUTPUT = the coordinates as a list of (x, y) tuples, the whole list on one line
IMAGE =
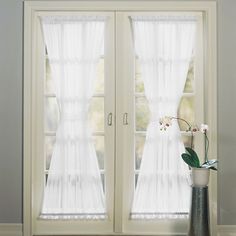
[(164, 46), (74, 187)]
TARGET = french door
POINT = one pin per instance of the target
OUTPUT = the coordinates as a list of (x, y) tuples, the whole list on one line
[(119, 115), (132, 107), (101, 115)]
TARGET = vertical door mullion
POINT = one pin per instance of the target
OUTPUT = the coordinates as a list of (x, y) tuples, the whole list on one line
[(109, 116), (119, 126), (125, 120), (38, 90), (199, 85)]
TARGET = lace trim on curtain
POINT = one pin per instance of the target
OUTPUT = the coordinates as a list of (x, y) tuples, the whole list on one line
[(152, 216), (71, 216)]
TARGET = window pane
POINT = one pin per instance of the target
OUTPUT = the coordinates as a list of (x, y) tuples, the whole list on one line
[(189, 85), (99, 82), (135, 180), (45, 178), (49, 144), (142, 114), (96, 114), (49, 87), (186, 111), (103, 181), (139, 145), (187, 140), (139, 85), (99, 146), (51, 114)]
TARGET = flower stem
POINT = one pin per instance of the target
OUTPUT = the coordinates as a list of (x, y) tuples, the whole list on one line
[(177, 118), (206, 147), (191, 139), (189, 128)]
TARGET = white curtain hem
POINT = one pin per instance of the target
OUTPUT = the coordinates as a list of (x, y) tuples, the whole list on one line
[(95, 216)]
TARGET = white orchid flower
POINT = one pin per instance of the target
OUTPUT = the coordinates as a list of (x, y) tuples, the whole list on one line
[(194, 128), (204, 128), (165, 122)]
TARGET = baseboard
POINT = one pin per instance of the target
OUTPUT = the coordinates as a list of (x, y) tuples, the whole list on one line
[(11, 230), (226, 230), (16, 230)]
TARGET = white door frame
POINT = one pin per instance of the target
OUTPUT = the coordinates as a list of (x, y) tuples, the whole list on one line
[(32, 8)]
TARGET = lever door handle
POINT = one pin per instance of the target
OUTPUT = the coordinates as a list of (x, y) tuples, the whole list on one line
[(125, 118), (109, 119)]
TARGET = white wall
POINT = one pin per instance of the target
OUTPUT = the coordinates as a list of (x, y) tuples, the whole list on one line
[(227, 111), (11, 111)]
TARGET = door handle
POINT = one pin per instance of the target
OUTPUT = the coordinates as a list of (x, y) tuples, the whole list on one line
[(125, 118), (109, 119)]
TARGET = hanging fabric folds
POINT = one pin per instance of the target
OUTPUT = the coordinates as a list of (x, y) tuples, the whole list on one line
[(74, 187), (164, 46)]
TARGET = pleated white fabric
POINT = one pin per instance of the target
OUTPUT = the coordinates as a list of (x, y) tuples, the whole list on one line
[(164, 47), (74, 187)]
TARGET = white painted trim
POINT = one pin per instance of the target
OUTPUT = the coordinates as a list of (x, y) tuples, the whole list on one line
[(119, 5), (211, 105), (226, 230), (11, 230), (27, 121)]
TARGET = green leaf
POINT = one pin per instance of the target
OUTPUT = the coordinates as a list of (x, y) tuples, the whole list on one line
[(193, 155), (213, 168), (210, 164), (189, 160)]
